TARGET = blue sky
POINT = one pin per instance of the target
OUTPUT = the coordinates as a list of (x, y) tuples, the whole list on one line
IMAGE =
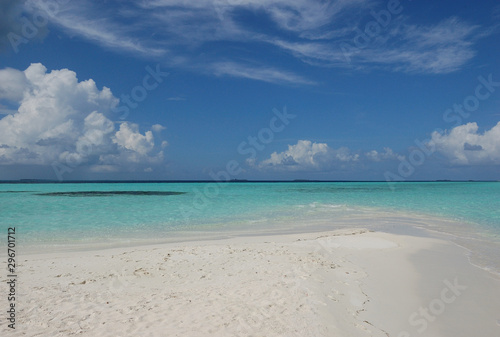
[(250, 89)]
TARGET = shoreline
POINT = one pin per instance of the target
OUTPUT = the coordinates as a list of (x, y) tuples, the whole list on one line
[(350, 282), (483, 250)]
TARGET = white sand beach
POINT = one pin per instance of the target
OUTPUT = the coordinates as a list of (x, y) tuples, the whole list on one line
[(339, 283)]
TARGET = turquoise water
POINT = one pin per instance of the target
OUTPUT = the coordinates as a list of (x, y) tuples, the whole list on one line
[(464, 209)]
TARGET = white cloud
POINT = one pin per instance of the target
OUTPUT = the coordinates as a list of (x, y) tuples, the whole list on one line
[(306, 155), (219, 15), (439, 48), (466, 146), (386, 155), (258, 73), (158, 128), (77, 18), (315, 53), (189, 32), (13, 84), (129, 137), (61, 119)]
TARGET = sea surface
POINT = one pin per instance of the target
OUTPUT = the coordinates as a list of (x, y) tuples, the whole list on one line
[(50, 217)]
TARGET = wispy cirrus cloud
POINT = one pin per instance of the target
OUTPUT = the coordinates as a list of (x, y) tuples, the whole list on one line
[(83, 19), (441, 48), (265, 74), (229, 37)]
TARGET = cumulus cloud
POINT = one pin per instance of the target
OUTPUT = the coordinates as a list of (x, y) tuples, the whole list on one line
[(13, 84), (61, 119), (158, 128), (129, 138), (304, 153), (388, 154), (465, 145), (308, 155)]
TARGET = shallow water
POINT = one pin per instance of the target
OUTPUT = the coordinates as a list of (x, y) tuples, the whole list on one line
[(105, 214)]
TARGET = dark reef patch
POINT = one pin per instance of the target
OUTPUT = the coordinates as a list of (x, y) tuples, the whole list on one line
[(15, 191), (107, 193)]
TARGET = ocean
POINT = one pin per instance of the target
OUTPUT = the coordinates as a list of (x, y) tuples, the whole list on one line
[(58, 216)]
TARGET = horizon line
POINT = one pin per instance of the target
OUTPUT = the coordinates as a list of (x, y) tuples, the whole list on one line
[(49, 181)]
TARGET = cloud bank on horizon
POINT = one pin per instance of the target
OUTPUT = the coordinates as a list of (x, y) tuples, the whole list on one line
[(61, 119)]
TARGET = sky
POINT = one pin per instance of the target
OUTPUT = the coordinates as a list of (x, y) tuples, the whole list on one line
[(250, 89)]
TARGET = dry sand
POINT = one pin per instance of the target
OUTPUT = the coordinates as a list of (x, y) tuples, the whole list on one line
[(342, 283)]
